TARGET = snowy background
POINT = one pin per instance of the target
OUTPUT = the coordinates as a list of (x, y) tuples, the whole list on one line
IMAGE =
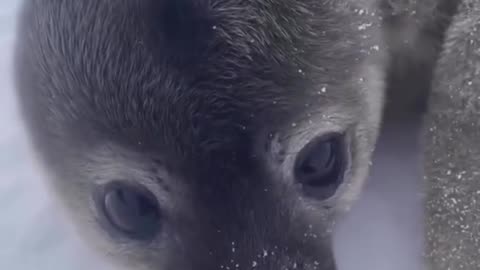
[(382, 232)]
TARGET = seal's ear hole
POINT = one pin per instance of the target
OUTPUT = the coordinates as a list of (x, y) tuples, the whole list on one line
[(321, 164), (129, 209)]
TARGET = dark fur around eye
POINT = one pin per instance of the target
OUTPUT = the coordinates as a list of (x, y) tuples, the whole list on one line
[(128, 210), (320, 166)]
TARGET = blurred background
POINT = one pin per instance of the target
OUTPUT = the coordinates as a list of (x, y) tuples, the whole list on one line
[(383, 231)]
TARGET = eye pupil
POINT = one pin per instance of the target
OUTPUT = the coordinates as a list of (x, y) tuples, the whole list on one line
[(131, 210), (320, 165)]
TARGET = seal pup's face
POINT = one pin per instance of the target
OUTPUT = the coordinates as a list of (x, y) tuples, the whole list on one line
[(203, 135)]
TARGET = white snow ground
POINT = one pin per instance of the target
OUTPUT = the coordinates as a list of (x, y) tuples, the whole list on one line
[(382, 233)]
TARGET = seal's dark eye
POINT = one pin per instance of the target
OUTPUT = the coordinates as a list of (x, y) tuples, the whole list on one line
[(130, 210), (320, 166)]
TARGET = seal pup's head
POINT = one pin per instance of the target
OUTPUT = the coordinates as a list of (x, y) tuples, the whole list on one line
[(213, 134)]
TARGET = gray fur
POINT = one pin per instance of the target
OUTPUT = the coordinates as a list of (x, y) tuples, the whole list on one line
[(205, 103), (441, 71), (452, 157)]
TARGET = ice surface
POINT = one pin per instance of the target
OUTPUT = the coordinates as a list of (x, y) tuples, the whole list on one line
[(381, 233)]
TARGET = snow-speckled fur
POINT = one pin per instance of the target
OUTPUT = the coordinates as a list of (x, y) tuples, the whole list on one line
[(442, 71), (185, 98), (207, 102), (452, 139)]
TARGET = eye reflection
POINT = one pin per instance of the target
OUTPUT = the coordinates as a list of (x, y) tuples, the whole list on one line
[(320, 166), (130, 210)]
